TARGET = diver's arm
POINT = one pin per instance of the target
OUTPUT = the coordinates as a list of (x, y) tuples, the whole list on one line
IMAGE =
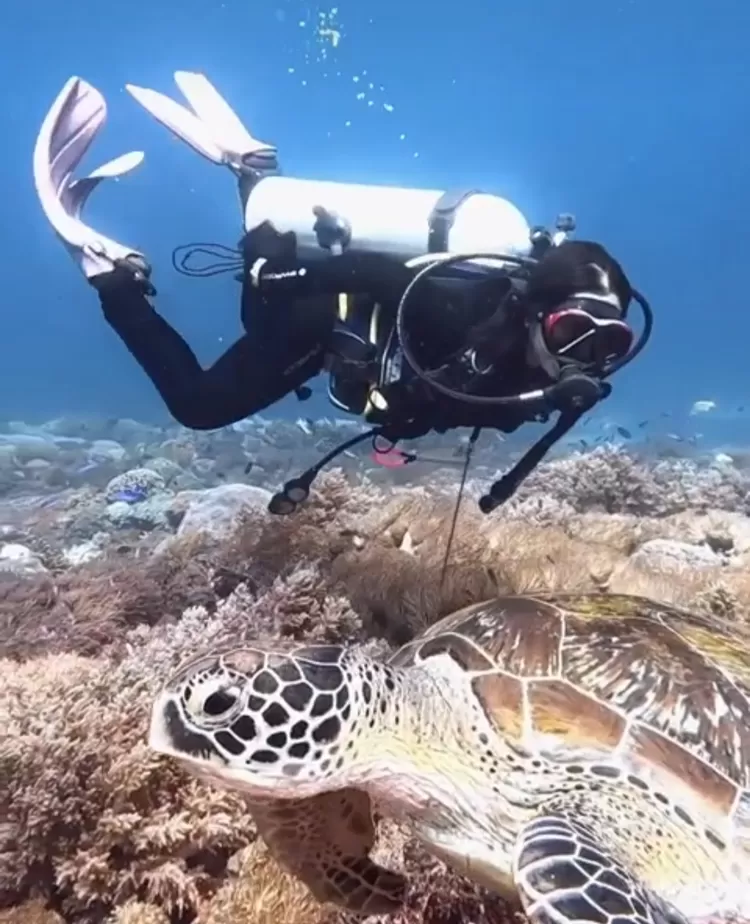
[(248, 377)]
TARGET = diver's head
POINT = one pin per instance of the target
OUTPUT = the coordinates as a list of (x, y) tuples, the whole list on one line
[(578, 298)]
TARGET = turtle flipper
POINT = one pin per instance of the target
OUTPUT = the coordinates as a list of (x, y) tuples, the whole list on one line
[(565, 873), (325, 841)]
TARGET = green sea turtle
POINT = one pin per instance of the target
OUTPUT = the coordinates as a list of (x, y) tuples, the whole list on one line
[(588, 754)]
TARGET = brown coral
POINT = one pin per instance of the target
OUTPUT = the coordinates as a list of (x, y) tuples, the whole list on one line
[(261, 892), (263, 547), (31, 912), (95, 818), (87, 609)]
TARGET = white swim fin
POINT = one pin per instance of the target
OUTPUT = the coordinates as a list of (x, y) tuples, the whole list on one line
[(74, 120), (212, 128)]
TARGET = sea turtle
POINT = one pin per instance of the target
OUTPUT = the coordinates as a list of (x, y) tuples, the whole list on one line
[(587, 753)]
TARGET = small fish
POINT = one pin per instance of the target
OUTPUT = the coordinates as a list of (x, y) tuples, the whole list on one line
[(130, 495), (642, 424), (625, 434), (248, 468), (702, 407), (88, 467), (584, 444), (676, 437), (305, 426)]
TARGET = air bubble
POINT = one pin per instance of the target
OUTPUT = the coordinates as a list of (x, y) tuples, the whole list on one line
[(323, 35)]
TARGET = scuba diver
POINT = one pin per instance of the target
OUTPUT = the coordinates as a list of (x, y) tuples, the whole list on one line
[(428, 310)]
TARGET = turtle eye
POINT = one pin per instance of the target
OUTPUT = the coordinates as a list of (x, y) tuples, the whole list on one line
[(218, 703), (214, 702)]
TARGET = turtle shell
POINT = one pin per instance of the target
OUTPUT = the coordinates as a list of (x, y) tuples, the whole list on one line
[(665, 692)]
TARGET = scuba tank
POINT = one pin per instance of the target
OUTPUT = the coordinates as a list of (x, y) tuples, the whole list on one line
[(403, 222)]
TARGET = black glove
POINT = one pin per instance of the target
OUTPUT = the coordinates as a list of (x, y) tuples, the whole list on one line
[(127, 277), (265, 242)]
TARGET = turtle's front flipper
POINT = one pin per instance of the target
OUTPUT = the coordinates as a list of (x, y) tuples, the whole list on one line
[(325, 841), (565, 873)]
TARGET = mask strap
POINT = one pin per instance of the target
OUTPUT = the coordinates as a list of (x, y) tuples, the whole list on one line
[(549, 363)]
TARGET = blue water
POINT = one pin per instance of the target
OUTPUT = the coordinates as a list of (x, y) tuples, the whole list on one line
[(633, 115)]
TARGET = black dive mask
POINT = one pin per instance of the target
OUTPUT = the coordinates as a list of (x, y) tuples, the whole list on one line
[(583, 332)]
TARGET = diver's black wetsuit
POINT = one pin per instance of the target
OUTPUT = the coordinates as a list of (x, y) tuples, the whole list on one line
[(288, 321), (276, 356)]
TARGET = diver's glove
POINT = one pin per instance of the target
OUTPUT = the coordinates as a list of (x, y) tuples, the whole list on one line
[(75, 119)]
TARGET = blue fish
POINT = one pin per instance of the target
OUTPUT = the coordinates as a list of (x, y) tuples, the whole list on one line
[(130, 495)]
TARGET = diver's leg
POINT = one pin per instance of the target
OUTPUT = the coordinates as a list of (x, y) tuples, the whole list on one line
[(249, 377)]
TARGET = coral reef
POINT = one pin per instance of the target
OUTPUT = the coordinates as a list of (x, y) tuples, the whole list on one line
[(140, 481), (94, 613)]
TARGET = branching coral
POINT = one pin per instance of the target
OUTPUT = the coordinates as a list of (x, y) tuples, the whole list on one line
[(301, 607), (31, 912), (135, 912), (614, 481), (263, 547), (90, 608), (261, 892), (95, 818)]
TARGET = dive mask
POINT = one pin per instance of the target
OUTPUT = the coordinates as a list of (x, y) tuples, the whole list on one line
[(587, 332)]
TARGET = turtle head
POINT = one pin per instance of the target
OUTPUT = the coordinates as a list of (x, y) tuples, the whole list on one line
[(267, 723)]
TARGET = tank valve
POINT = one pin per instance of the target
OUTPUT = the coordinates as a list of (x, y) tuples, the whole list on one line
[(565, 222), (333, 232)]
